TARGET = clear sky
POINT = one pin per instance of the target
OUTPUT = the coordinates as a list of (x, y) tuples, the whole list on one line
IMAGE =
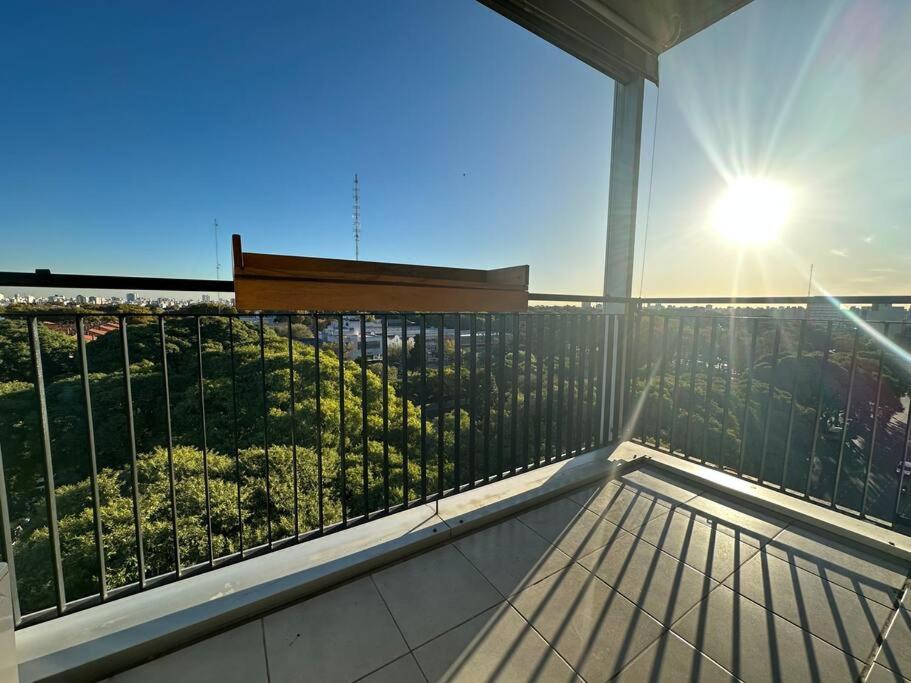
[(126, 128), (813, 94)]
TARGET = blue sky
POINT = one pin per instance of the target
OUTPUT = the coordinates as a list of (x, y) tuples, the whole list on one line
[(126, 128)]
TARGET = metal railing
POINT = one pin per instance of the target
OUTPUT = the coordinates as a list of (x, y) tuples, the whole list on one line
[(163, 445), (177, 442), (817, 408)]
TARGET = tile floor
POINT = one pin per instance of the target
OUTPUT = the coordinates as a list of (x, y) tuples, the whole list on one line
[(642, 579)]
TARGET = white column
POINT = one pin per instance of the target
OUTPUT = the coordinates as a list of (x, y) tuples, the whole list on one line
[(626, 141), (9, 669)]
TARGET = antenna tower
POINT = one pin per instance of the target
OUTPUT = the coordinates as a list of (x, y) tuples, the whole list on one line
[(217, 262), (357, 219)]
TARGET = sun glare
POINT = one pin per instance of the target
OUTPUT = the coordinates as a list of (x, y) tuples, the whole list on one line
[(752, 211)]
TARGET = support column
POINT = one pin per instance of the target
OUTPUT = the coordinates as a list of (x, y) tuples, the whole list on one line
[(626, 141)]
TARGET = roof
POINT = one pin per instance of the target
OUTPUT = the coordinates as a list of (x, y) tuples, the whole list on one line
[(621, 38)]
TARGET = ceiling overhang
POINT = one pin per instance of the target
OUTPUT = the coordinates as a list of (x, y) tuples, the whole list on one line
[(621, 38)]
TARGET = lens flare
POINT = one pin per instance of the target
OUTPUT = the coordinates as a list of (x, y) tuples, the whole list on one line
[(752, 211)]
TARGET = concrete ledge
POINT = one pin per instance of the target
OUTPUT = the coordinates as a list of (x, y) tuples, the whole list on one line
[(486, 504), (805, 512), (101, 640)]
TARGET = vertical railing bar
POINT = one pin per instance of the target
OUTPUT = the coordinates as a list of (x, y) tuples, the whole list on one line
[(647, 387), (169, 433), (819, 399), (319, 424), (844, 431), (561, 380), (879, 387), (572, 334), (709, 381), (662, 362), (578, 343), (594, 358), (526, 392), (472, 400), (8, 550), (582, 388), (342, 454), (457, 422), (441, 369), (605, 377), (423, 408), (612, 376), (131, 435), (578, 424), (501, 391), (488, 345), (514, 418), (93, 461), (621, 362), (619, 370), (205, 444), (364, 445), (678, 353), (631, 361), (240, 516), (551, 366), (385, 372), (293, 410), (905, 451), (746, 405), (540, 362), (404, 363), (790, 429), (596, 395), (776, 346), (727, 390), (262, 364), (687, 436)]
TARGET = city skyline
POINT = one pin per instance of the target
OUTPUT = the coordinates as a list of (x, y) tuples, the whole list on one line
[(129, 184)]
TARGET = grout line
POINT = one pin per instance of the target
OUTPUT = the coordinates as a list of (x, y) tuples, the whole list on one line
[(407, 654), (392, 616), (262, 625), (884, 633), (508, 601)]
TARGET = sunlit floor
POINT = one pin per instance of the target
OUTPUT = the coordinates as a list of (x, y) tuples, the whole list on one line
[(642, 579)]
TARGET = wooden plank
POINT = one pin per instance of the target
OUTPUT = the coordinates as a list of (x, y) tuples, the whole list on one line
[(267, 282), (305, 268), (297, 295)]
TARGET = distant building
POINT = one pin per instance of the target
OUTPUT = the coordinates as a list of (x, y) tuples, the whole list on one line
[(824, 310), (131, 298)]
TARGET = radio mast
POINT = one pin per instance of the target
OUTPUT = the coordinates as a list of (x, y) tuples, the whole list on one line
[(217, 261), (357, 220)]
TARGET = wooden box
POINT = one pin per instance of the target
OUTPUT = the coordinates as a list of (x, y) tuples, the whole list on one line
[(267, 282)]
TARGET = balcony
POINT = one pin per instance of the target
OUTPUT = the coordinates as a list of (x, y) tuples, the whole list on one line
[(595, 488)]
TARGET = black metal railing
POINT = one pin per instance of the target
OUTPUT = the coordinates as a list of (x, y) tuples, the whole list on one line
[(818, 408), (137, 449), (163, 445)]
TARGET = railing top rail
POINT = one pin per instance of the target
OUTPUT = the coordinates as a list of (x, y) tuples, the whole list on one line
[(46, 279)]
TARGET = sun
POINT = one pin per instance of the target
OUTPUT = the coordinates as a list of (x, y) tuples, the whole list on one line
[(752, 211)]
